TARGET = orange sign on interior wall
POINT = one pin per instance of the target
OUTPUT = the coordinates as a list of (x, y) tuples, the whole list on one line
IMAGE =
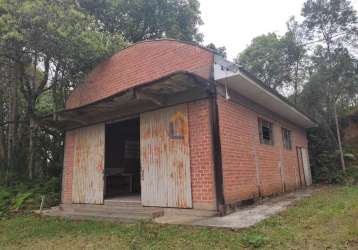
[(177, 127)]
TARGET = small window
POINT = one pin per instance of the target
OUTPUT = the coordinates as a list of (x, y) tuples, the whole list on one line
[(265, 131), (286, 137)]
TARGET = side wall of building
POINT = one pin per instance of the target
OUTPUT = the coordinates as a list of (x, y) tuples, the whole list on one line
[(251, 169), (202, 178)]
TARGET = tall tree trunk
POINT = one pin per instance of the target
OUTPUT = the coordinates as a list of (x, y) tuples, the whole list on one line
[(11, 139), (2, 145), (343, 164), (30, 166), (296, 83)]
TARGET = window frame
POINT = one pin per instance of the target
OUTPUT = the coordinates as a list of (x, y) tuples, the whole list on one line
[(267, 124), (287, 141)]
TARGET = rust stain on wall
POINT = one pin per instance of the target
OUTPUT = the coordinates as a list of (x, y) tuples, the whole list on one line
[(165, 158), (88, 181), (178, 128)]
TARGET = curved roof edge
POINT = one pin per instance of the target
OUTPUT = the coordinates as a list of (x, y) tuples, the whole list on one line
[(195, 44), (111, 65)]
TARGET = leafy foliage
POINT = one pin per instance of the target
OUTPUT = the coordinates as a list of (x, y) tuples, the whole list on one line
[(275, 60), (221, 51), (19, 200), (45, 54), (25, 195), (139, 20), (351, 177), (323, 158), (265, 58), (330, 19)]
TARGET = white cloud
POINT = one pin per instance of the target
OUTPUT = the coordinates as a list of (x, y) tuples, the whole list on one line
[(233, 23)]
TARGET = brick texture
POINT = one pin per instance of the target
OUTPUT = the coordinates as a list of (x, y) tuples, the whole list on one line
[(138, 64), (202, 177), (249, 168), (243, 155), (201, 159)]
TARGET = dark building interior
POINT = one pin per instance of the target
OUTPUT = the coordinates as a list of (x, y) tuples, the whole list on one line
[(122, 164)]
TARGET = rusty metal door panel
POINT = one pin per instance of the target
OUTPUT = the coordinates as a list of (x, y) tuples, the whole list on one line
[(302, 180), (165, 158), (88, 182), (306, 167)]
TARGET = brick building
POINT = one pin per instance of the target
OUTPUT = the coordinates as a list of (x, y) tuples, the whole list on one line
[(170, 124)]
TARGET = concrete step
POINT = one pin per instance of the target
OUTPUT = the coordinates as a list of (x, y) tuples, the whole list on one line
[(120, 203), (119, 211), (189, 212), (124, 218), (107, 211)]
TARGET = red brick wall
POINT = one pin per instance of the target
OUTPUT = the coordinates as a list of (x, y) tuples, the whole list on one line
[(138, 64), (237, 134), (202, 177), (68, 167), (201, 156), (242, 153)]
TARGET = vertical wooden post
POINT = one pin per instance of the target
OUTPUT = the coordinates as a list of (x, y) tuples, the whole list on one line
[(343, 164)]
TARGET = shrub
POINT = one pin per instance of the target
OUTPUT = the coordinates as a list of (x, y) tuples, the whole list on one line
[(325, 158), (20, 195), (5, 201), (351, 177)]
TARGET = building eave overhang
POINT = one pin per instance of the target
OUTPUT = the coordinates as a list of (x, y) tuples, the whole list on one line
[(250, 87), (172, 89)]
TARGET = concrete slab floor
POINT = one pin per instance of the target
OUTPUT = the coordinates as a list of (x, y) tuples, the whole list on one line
[(245, 217)]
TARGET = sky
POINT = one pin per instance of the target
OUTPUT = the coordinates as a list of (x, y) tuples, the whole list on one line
[(234, 23)]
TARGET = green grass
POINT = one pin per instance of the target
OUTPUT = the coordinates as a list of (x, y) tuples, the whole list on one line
[(327, 220)]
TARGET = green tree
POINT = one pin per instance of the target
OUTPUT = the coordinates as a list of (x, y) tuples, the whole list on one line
[(221, 51), (139, 20), (293, 44), (333, 23), (266, 58), (49, 46)]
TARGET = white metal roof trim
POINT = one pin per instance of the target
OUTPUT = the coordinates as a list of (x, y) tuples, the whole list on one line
[(262, 96)]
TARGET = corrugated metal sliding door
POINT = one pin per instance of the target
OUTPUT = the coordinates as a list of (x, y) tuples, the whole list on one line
[(301, 175), (165, 158), (306, 166), (88, 182)]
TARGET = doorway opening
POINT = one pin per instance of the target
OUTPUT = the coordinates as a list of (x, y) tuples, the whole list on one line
[(122, 161)]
